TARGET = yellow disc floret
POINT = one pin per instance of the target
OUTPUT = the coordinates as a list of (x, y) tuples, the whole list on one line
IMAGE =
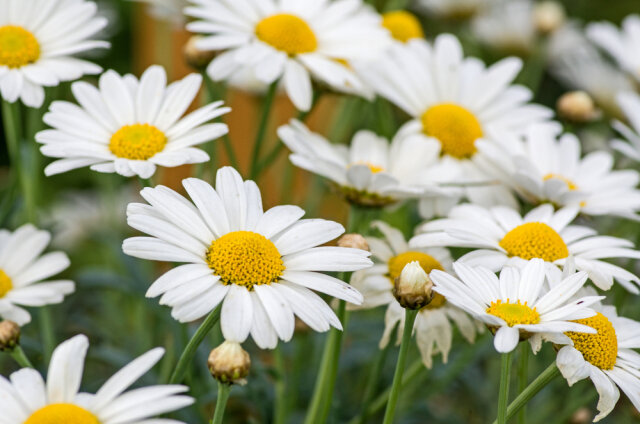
[(514, 313), (59, 413), (402, 25), (5, 284), (455, 127), (374, 168), (18, 47), (245, 258), (601, 349), (137, 142), (535, 240), (287, 33), (397, 263), (570, 184)]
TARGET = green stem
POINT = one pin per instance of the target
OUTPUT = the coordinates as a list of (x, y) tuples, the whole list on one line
[(523, 377), (503, 397), (11, 122), (47, 332), (280, 410), (145, 182), (410, 318), (192, 346), (221, 402), (262, 128), (20, 357)]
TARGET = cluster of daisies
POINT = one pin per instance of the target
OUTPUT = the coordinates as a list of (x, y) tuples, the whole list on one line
[(488, 170)]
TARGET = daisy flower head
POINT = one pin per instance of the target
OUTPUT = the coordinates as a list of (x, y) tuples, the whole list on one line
[(621, 44), (516, 306), (260, 265), (433, 327), (508, 26), (130, 126), (402, 25), (502, 237), (629, 103), (26, 398), (292, 40), (38, 39), (23, 268), (370, 171)]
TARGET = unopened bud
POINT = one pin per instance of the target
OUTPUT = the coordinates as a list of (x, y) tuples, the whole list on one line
[(9, 335), (195, 57), (413, 288), (548, 16), (576, 106), (581, 416), (355, 241), (229, 363)]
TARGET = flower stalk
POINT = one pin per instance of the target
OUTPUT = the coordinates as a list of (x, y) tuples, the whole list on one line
[(505, 378), (221, 402)]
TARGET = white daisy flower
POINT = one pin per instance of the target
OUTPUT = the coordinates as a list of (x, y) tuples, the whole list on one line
[(38, 39), (433, 327), (622, 44), (508, 26), (515, 307), (629, 102), (23, 268), (549, 168), (456, 101), (292, 40), (371, 171), (259, 265), (607, 358), (25, 398), (402, 25), (169, 10), (129, 126), (453, 9), (501, 237)]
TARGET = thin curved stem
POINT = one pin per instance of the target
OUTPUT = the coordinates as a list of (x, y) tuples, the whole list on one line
[(20, 357), (503, 397), (262, 128), (280, 410), (221, 402), (523, 377)]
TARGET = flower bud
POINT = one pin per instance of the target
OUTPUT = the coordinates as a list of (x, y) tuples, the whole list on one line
[(548, 16), (581, 416), (413, 288), (355, 241), (9, 335), (196, 58), (576, 106), (229, 363)]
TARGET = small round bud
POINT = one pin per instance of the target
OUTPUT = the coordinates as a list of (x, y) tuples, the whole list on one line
[(413, 288), (355, 241), (581, 416), (548, 16), (576, 106), (196, 58), (229, 363), (9, 335)]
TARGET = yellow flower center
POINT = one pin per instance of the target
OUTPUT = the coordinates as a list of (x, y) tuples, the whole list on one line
[(245, 258), (570, 184), (600, 349), (287, 33), (59, 413), (438, 301), (514, 313), (535, 240), (397, 263), (402, 25), (455, 127), (5, 284), (18, 47), (137, 142), (374, 168)]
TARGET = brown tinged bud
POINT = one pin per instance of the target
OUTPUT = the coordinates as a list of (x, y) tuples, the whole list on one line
[(196, 58), (581, 416), (413, 288), (9, 335), (229, 363), (548, 16), (576, 106), (355, 241)]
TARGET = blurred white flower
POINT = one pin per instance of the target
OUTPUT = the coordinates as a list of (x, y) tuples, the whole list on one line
[(453, 9), (402, 25), (630, 104), (621, 44), (508, 26), (169, 10)]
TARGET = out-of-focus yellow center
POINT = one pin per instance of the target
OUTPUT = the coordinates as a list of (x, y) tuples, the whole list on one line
[(5, 284), (374, 168), (397, 263), (18, 47), (137, 142), (570, 184), (245, 258), (287, 33), (535, 240), (62, 413), (600, 349), (514, 313), (455, 127), (402, 25)]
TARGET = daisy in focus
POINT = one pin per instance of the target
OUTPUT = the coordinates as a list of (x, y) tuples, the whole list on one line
[(27, 399), (433, 327), (294, 41), (629, 102), (502, 237), (38, 39), (371, 171), (622, 44), (262, 266), (130, 126), (23, 268), (516, 306)]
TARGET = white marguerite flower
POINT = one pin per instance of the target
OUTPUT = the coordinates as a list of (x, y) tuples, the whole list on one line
[(501, 237), (259, 265), (25, 398), (629, 102), (371, 171), (292, 40), (622, 44), (402, 25), (517, 305), (455, 102), (607, 358), (549, 168), (508, 26), (433, 327), (23, 268), (453, 9), (38, 39), (130, 126)]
